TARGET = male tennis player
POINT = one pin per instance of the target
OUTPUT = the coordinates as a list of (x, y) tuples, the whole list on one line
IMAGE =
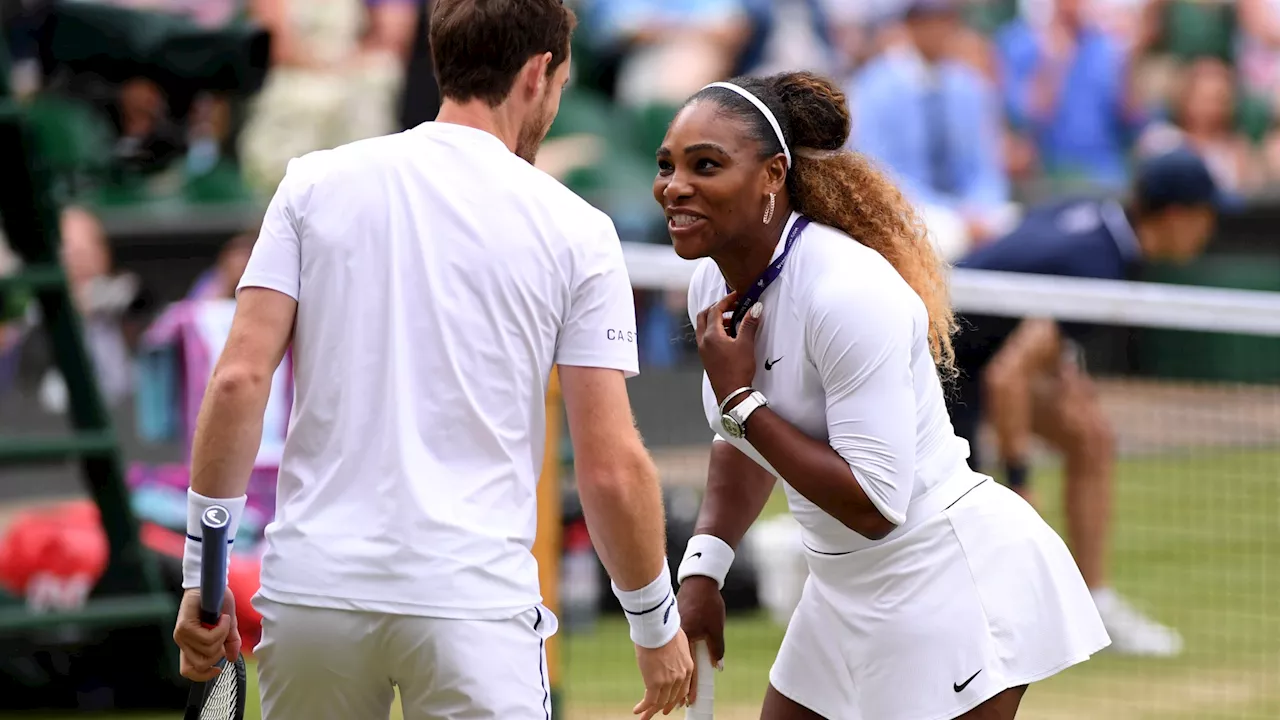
[(428, 282), (1025, 377)]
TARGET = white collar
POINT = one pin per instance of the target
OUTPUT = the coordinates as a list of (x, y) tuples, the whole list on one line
[(782, 239)]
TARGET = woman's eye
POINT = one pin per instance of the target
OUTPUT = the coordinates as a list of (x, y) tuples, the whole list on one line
[(704, 165), (664, 167)]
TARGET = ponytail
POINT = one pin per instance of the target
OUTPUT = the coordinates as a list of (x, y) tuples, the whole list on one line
[(840, 188)]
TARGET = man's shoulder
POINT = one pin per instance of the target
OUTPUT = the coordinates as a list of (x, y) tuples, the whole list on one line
[(317, 166), (570, 206), (1065, 217), (1046, 240)]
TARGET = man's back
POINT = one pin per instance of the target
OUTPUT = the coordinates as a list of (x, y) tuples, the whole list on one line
[(441, 277), (1075, 238), (427, 283)]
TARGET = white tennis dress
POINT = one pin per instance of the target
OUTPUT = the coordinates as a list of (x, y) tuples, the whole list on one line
[(973, 592)]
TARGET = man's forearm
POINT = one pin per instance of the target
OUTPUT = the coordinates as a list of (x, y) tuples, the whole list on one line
[(228, 433), (623, 508), (737, 491)]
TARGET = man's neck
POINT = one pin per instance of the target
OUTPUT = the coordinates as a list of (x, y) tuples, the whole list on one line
[(479, 115)]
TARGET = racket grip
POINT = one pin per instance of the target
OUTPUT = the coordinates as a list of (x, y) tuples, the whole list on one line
[(214, 523), (704, 707)]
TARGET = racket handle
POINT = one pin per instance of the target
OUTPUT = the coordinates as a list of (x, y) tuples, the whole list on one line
[(704, 707), (214, 523)]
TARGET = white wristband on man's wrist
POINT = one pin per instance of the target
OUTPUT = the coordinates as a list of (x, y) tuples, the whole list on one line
[(706, 555), (196, 505), (651, 611)]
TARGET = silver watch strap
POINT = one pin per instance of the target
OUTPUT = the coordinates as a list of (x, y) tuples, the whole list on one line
[(743, 410), (729, 398)]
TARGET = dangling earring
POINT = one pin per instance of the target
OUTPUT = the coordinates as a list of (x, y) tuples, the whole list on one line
[(768, 212)]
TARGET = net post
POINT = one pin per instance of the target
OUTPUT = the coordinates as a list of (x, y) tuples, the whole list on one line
[(546, 545)]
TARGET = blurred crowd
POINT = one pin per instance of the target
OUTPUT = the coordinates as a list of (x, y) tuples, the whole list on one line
[(974, 106)]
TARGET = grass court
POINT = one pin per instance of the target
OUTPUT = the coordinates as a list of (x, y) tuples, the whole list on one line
[(1197, 543)]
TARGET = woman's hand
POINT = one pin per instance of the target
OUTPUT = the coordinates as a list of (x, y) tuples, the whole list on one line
[(702, 614), (730, 362)]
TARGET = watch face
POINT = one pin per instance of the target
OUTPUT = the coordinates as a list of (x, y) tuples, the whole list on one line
[(731, 427)]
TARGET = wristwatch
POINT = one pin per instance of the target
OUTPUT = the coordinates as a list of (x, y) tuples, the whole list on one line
[(734, 420)]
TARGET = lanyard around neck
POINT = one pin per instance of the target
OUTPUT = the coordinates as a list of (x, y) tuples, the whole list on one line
[(771, 273)]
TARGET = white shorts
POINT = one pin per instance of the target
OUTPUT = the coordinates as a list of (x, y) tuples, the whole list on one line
[(982, 597), (321, 664)]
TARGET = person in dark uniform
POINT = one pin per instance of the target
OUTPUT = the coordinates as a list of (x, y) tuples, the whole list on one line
[(1025, 377)]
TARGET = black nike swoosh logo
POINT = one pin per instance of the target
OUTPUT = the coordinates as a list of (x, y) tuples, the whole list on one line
[(965, 684), (697, 554), (667, 615), (768, 364)]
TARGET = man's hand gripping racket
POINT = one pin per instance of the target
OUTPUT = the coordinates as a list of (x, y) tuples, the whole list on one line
[(211, 646)]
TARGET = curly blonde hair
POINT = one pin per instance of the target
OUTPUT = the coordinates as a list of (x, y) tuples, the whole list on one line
[(840, 188)]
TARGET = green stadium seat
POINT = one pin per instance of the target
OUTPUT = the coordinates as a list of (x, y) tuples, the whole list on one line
[(1254, 116), (72, 137), (222, 184), (619, 182), (621, 185), (651, 124), (1193, 29), (586, 111), (987, 16)]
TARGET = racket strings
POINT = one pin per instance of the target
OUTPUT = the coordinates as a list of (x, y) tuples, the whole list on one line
[(222, 698)]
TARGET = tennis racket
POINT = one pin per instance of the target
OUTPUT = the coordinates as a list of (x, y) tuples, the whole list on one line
[(221, 698), (704, 707)]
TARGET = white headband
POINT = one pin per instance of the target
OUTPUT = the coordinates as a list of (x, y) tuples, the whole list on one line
[(764, 110)]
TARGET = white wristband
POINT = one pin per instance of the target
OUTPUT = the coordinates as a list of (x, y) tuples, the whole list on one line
[(196, 505), (651, 610), (706, 555)]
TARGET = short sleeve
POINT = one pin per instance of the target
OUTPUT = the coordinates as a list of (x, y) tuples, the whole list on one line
[(600, 327), (860, 340), (276, 261)]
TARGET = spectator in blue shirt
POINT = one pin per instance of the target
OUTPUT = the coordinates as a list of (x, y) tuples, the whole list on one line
[(934, 122), (1067, 89), (670, 48), (1026, 377)]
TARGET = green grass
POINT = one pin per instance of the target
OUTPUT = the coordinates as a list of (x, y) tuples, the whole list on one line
[(1196, 543)]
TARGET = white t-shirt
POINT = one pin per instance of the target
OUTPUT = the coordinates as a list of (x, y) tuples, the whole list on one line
[(438, 277), (843, 354)]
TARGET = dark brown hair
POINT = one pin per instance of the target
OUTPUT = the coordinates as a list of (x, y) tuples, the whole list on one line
[(479, 46), (840, 188)]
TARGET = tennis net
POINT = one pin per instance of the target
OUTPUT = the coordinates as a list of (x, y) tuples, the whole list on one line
[(1188, 377)]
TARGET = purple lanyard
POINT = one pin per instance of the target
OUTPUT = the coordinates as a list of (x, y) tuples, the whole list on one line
[(766, 279)]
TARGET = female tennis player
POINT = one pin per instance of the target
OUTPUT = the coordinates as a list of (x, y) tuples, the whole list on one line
[(824, 327)]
